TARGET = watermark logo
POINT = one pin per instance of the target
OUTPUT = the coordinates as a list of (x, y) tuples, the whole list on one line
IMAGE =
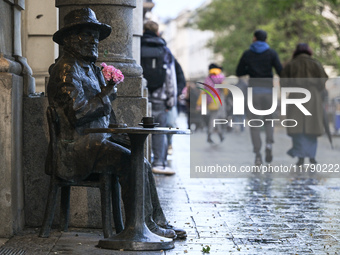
[(238, 99), (239, 103), (204, 97)]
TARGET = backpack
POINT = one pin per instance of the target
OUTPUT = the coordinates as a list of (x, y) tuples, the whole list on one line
[(154, 66)]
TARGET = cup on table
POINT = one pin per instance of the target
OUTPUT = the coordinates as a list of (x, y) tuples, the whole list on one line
[(148, 120)]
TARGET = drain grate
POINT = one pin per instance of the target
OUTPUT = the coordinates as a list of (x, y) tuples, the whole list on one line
[(265, 241), (10, 251)]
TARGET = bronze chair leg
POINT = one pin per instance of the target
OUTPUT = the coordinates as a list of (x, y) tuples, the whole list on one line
[(65, 208), (50, 208)]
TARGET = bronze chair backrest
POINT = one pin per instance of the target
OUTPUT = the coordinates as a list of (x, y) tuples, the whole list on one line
[(53, 127)]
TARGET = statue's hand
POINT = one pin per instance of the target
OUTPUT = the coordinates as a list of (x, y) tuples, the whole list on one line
[(108, 90), (107, 95)]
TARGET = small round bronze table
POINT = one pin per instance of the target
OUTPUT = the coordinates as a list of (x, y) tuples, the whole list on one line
[(136, 235)]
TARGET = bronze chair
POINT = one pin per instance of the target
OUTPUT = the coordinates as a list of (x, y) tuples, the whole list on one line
[(105, 182)]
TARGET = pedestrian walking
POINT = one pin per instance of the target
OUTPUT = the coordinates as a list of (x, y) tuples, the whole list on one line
[(312, 76), (258, 62), (159, 70), (215, 111)]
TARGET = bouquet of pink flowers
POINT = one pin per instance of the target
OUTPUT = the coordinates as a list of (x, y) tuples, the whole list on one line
[(111, 74)]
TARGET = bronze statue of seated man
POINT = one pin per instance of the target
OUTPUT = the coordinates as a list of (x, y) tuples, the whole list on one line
[(78, 92)]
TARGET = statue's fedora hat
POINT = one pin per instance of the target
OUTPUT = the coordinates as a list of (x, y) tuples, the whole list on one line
[(84, 17)]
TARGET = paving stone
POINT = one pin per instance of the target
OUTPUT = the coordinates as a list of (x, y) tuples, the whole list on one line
[(29, 242)]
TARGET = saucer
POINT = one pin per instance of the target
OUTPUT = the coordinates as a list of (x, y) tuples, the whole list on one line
[(120, 125), (148, 125)]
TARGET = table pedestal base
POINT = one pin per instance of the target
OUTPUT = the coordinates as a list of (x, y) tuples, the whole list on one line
[(129, 240)]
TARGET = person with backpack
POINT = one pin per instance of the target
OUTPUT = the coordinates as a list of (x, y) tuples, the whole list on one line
[(159, 70)]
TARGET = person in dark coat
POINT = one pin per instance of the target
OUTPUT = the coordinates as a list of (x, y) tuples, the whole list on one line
[(310, 75), (77, 90), (258, 62)]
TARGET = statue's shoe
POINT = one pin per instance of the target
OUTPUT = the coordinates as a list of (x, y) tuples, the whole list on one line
[(181, 233), (154, 228)]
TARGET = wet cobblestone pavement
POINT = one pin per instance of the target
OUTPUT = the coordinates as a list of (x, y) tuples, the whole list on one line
[(254, 215)]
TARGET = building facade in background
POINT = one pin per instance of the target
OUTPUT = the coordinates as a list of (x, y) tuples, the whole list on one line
[(189, 46)]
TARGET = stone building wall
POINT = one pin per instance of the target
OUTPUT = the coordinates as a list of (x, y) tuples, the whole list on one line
[(15, 80), (39, 22)]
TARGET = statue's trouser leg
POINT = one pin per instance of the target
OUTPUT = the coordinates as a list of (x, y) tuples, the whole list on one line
[(118, 157), (156, 209), (152, 207)]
